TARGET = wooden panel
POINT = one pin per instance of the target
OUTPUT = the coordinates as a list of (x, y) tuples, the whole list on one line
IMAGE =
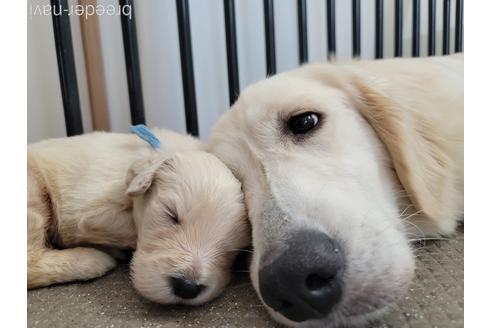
[(95, 68)]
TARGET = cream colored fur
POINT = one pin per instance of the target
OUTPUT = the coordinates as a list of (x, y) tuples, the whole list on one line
[(108, 190), (384, 167)]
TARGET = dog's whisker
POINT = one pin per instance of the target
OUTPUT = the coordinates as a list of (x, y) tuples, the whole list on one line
[(242, 250), (405, 210), (413, 214), (417, 228), (429, 238)]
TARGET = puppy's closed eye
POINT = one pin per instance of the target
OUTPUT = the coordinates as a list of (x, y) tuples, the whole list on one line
[(171, 215)]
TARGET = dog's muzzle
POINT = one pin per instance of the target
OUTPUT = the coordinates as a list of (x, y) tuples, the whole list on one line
[(305, 281)]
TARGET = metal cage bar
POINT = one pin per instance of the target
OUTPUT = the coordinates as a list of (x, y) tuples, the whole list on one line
[(416, 28), (271, 66), (398, 28), (446, 26), (187, 74), (302, 31), (66, 68), (231, 47), (356, 28), (379, 29), (330, 25), (458, 37), (431, 43), (130, 44)]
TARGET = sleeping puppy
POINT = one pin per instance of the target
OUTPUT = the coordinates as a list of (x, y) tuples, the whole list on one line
[(343, 166), (180, 208)]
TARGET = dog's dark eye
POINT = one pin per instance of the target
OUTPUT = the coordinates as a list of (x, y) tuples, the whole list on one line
[(303, 123)]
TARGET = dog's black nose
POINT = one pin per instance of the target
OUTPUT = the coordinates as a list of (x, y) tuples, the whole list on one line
[(185, 288), (305, 281)]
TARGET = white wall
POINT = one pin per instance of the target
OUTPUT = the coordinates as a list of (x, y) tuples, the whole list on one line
[(44, 103), (160, 61)]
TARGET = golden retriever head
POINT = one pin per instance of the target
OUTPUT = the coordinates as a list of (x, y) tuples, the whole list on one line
[(323, 158), (191, 222)]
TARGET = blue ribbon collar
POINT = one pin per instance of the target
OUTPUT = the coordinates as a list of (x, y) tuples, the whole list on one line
[(144, 133)]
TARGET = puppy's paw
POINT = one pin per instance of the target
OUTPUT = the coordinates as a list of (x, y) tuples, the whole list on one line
[(65, 265), (93, 263)]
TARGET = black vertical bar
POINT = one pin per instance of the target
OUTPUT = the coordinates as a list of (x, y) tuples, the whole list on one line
[(356, 28), (269, 37), (187, 74), (379, 28), (398, 28), (135, 93), (458, 40), (431, 46), (416, 28), (330, 22), (302, 31), (446, 26), (231, 45), (66, 67)]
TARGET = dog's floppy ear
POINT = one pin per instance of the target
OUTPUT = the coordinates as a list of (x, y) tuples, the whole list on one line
[(141, 174), (417, 153)]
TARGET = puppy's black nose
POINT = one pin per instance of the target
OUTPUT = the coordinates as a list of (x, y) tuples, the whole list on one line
[(305, 281), (185, 288)]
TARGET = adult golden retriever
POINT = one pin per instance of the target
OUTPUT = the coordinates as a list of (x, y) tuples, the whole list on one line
[(343, 165)]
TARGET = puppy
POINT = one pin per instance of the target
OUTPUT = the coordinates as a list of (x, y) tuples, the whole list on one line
[(342, 166), (179, 208)]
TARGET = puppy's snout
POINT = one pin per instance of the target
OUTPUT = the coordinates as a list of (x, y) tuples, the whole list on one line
[(185, 289), (305, 281)]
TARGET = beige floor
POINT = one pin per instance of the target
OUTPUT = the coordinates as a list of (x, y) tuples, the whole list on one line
[(434, 300)]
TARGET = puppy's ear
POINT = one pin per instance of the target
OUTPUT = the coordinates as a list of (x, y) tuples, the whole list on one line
[(141, 174), (417, 153)]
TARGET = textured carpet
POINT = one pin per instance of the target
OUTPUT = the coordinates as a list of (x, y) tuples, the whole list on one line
[(435, 299)]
